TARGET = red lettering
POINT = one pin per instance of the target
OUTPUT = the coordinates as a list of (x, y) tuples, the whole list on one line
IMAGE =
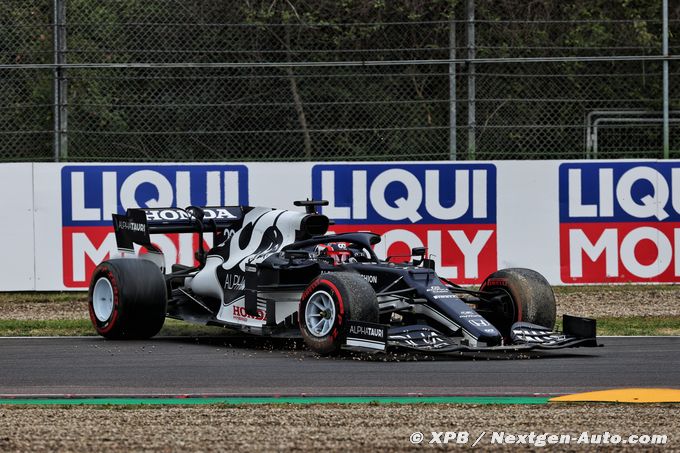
[(240, 312)]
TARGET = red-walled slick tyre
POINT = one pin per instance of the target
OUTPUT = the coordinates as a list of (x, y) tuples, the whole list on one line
[(127, 299), (329, 303)]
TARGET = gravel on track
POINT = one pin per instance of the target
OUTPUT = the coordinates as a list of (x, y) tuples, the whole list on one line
[(318, 427)]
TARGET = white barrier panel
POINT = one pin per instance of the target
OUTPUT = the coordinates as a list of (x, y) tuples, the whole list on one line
[(528, 217), (575, 222), (16, 229)]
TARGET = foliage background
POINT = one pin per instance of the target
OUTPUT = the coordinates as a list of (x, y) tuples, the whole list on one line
[(339, 112)]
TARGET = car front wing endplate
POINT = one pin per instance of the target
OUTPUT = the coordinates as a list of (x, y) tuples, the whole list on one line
[(523, 336)]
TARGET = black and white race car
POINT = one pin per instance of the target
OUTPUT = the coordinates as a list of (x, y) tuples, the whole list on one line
[(275, 272)]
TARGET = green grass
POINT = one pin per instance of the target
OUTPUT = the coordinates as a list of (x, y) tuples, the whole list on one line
[(647, 325), (51, 327), (639, 325)]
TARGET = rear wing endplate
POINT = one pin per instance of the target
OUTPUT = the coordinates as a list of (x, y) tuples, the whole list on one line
[(137, 225)]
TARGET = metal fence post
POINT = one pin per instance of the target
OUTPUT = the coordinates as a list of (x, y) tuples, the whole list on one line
[(666, 129), (452, 91), (59, 84), (55, 79), (471, 79)]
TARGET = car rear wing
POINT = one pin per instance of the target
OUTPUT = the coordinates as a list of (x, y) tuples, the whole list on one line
[(136, 225)]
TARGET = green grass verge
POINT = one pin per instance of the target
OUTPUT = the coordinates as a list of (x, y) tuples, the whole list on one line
[(652, 325), (61, 327), (639, 325)]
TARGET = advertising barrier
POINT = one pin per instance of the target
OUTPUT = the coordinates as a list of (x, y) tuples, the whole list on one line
[(619, 222), (448, 208), (91, 193), (576, 222)]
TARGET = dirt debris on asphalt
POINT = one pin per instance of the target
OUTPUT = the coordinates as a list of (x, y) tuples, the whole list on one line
[(356, 427)]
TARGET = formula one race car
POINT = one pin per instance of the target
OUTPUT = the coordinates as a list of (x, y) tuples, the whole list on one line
[(275, 272)]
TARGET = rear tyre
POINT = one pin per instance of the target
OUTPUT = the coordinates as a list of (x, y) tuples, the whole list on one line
[(531, 295), (127, 299), (327, 306)]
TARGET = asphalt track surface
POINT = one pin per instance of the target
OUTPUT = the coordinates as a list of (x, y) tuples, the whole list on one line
[(92, 366)]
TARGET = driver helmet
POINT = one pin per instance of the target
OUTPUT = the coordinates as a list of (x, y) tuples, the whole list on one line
[(339, 251)]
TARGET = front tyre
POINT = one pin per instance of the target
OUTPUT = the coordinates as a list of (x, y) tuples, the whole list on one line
[(127, 299), (327, 306), (532, 298)]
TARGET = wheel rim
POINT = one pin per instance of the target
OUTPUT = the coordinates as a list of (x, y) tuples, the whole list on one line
[(102, 299), (320, 314), (509, 308)]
